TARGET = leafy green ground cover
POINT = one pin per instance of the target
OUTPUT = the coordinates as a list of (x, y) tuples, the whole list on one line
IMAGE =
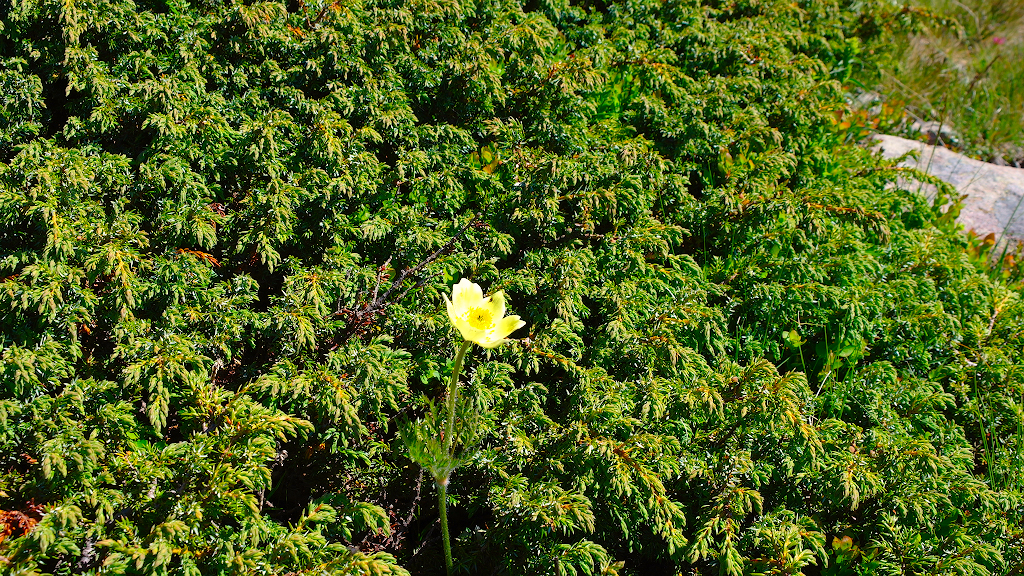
[(227, 229)]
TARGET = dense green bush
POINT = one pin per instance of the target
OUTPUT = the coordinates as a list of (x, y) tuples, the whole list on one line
[(226, 229)]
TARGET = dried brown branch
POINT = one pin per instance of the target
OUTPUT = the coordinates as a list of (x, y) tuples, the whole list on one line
[(358, 319)]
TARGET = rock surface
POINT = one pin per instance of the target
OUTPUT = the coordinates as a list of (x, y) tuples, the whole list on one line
[(994, 193)]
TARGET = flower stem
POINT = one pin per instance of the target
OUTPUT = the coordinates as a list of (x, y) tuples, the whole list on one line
[(453, 393), (442, 505), (449, 449)]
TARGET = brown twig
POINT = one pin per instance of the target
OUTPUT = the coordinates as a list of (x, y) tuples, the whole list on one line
[(359, 318), (394, 542), (315, 23)]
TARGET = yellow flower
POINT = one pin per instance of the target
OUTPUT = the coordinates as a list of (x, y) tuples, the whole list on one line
[(480, 319)]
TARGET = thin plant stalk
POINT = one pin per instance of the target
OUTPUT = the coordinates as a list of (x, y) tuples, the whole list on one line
[(453, 392), (449, 449), (442, 505)]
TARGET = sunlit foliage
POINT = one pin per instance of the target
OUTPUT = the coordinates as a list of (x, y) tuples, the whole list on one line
[(225, 230)]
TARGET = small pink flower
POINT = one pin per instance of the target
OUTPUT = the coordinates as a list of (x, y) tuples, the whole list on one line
[(999, 40)]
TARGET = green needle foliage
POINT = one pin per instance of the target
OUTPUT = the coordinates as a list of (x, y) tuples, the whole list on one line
[(225, 230)]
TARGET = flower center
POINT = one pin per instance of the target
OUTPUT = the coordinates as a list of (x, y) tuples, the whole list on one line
[(479, 318)]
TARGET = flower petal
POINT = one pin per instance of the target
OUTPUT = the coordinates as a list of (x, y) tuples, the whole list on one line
[(496, 305), (452, 317), (509, 325), (490, 341), (497, 335), (470, 333), (466, 295)]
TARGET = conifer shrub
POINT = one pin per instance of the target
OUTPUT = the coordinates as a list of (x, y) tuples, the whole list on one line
[(226, 230)]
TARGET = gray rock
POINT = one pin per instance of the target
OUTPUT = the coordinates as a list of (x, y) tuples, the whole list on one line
[(994, 193)]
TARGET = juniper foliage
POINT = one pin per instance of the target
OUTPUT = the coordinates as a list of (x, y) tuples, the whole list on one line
[(227, 226)]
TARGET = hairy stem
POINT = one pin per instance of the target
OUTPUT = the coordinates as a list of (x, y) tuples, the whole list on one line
[(449, 448), (442, 506), (453, 392)]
